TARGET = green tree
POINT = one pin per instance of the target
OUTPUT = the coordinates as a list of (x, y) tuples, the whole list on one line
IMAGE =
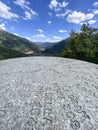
[(83, 45)]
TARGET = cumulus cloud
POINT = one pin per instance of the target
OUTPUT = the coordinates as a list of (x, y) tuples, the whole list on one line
[(2, 26), (57, 6), (40, 30), (64, 4), (28, 38), (49, 22), (53, 4), (67, 11), (39, 36), (95, 4), (29, 13), (5, 12), (95, 11), (16, 34), (92, 21), (78, 17), (56, 37), (53, 39), (62, 31), (22, 3)]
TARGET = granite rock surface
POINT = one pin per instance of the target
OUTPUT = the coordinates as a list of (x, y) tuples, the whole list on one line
[(48, 93)]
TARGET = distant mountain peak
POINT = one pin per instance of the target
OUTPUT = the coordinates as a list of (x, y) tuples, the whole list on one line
[(11, 41)]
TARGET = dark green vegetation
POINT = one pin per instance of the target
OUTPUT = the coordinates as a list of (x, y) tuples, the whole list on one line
[(10, 41), (83, 45), (8, 53), (13, 46)]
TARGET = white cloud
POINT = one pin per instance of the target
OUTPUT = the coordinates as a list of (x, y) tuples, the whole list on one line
[(48, 39), (78, 17), (57, 6), (40, 30), (56, 37), (92, 21), (64, 4), (62, 31), (39, 36), (16, 34), (22, 3), (95, 11), (89, 16), (2, 26), (28, 38), (95, 4), (51, 40), (53, 4), (29, 13), (67, 11), (49, 22), (5, 12)]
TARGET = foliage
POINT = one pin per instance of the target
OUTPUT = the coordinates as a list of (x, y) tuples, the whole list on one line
[(8, 53), (8, 40), (83, 45)]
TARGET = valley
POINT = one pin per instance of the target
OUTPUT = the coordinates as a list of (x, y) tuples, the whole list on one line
[(81, 46)]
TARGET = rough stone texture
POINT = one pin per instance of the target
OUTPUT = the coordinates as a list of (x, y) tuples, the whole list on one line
[(48, 93)]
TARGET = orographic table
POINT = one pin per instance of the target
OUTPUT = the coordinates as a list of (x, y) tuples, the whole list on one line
[(48, 93)]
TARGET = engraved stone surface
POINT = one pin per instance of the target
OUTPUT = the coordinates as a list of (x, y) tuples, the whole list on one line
[(48, 93)]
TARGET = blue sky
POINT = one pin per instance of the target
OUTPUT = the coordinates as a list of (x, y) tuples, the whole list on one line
[(47, 20)]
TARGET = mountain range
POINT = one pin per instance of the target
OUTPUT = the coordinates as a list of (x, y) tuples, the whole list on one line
[(46, 45), (11, 41), (82, 46), (14, 46), (56, 48)]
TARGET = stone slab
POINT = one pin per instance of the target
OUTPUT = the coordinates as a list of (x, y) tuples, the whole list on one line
[(48, 93)]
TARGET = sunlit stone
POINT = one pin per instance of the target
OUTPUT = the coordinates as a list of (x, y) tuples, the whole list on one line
[(48, 93)]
